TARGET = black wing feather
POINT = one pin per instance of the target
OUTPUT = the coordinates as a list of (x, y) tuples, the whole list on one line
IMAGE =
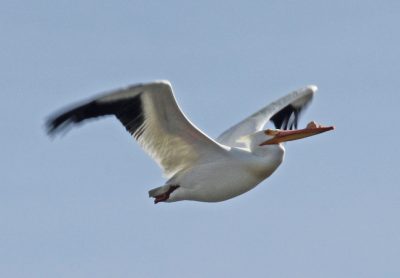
[(128, 111), (287, 118)]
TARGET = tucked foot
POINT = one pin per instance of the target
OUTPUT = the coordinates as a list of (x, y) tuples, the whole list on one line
[(165, 196)]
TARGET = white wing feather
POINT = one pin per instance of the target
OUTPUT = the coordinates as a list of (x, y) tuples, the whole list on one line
[(169, 137)]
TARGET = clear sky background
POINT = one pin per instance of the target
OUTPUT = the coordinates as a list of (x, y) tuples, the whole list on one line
[(77, 206)]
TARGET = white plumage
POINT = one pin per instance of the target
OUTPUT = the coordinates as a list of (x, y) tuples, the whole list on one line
[(198, 167)]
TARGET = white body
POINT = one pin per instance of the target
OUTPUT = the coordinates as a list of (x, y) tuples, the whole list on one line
[(224, 179)]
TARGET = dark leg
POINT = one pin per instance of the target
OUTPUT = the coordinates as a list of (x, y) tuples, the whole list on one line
[(163, 197)]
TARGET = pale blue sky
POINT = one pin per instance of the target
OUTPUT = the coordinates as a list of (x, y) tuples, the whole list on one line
[(77, 206)]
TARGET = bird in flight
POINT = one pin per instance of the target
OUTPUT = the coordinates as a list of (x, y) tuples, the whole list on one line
[(198, 167)]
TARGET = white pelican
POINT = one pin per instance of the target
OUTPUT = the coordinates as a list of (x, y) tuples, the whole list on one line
[(197, 167)]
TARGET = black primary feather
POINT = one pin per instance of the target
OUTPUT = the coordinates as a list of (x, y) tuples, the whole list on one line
[(287, 118), (128, 111)]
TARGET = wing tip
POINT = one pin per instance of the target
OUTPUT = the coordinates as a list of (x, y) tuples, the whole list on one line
[(55, 125), (163, 82), (52, 124), (61, 121), (313, 88)]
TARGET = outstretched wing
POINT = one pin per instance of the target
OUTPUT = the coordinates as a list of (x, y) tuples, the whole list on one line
[(151, 115), (284, 113)]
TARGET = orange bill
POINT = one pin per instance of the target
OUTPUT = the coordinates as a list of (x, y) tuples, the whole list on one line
[(281, 136)]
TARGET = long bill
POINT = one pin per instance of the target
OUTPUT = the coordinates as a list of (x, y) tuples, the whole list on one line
[(290, 135)]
